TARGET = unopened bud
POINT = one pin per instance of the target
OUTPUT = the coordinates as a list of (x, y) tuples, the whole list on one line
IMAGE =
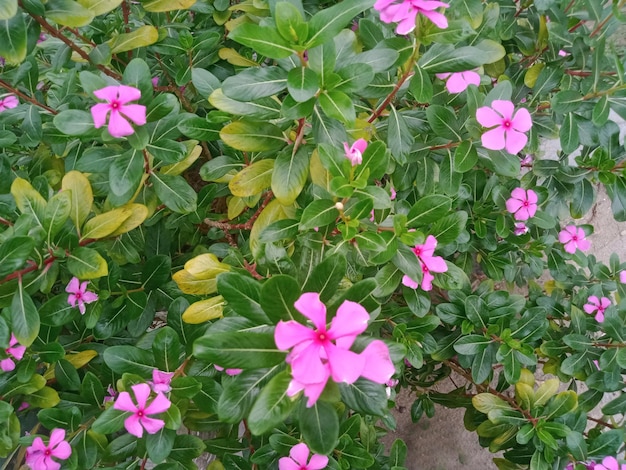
[(339, 206)]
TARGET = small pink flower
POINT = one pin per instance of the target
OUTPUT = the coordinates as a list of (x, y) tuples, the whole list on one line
[(522, 203), (111, 394), (428, 262), (596, 363), (393, 193), (228, 371), (79, 294), (597, 305), (622, 277), (39, 456), (155, 81), (116, 98), (610, 463), (17, 352), (8, 102), (355, 152), (574, 237), (509, 128), (161, 381), (459, 81), (563, 53), (527, 160), (520, 228), (405, 13), (299, 459), (139, 419), (23, 406)]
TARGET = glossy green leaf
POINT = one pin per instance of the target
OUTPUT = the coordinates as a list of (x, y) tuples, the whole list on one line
[(263, 39), (68, 13), (251, 136), (239, 350), (13, 39), (290, 174), (254, 83), (24, 317), (272, 406), (319, 425)]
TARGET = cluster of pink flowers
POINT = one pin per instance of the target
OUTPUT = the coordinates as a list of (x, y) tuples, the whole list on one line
[(404, 12), (508, 126), (299, 459), (139, 418), (117, 99), (354, 153), (429, 262), (599, 306), (459, 81), (39, 456), (14, 351), (608, 463), (574, 238), (8, 102), (79, 295), (321, 353)]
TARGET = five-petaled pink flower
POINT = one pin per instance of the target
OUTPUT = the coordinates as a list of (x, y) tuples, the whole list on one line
[(79, 294), (39, 456), (161, 381), (299, 459), (228, 371), (520, 228), (117, 98), (522, 203), (8, 102), (610, 463), (321, 353), (428, 262), (597, 305), (139, 419), (574, 237), (405, 13), (14, 350), (355, 152), (508, 127), (459, 81)]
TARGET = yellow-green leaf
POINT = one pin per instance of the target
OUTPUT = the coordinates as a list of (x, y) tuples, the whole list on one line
[(252, 136), (546, 391), (46, 397), (82, 196), (190, 284), (68, 13), (204, 310), (206, 266), (253, 179), (273, 211), (193, 153), (166, 5), (86, 263), (233, 57), (236, 206), (139, 213), (8, 9), (99, 7), (141, 37), (105, 224), (27, 199)]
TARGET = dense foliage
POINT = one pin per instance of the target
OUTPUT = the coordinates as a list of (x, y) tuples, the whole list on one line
[(262, 219)]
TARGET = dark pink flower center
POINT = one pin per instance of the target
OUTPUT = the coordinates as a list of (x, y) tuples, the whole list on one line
[(47, 452), (418, 251), (507, 124), (424, 268), (575, 238), (322, 336), (525, 203), (140, 413), (78, 295), (115, 105)]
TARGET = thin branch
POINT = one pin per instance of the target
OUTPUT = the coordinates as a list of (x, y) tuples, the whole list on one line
[(226, 226), (25, 97)]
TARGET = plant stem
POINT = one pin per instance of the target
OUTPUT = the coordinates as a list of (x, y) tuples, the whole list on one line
[(25, 97), (226, 226)]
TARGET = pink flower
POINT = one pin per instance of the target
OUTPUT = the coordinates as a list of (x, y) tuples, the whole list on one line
[(520, 228), (596, 363), (428, 262), (116, 98), (393, 193), (111, 394), (355, 153), (509, 127), (522, 203), (597, 305), (563, 53), (574, 237), (139, 419), (405, 13), (610, 463), (79, 294), (7, 365), (228, 371), (459, 81), (155, 81), (39, 456), (622, 277), (299, 459), (527, 160), (8, 102), (161, 381)]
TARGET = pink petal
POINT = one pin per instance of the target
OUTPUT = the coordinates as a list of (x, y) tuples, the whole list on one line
[(317, 462), (300, 453), (599, 317), (406, 25), (285, 463), (427, 280), (125, 403), (456, 83), (142, 392), (158, 405), (89, 297), (81, 307), (310, 306), (532, 210), (531, 196), (12, 340), (152, 425), (73, 287), (435, 264), (346, 149), (99, 114), (504, 107), (7, 365), (522, 121), (522, 214), (570, 247), (133, 426), (564, 236), (408, 282), (108, 93), (38, 445), (515, 141), (593, 300), (56, 436), (71, 299), (50, 464), (622, 277), (382, 4), (351, 320), (584, 245), (10, 102), (378, 366), (62, 451), (17, 352), (493, 139), (83, 287), (610, 463), (519, 193), (429, 4), (313, 392), (439, 19), (345, 366), (588, 308), (360, 145), (134, 112), (604, 303), (487, 117), (118, 126), (428, 248), (471, 77), (128, 93), (307, 366), (572, 229), (513, 205), (289, 333), (442, 76)]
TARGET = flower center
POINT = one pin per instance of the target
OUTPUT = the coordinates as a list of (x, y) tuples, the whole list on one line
[(322, 336), (78, 295), (507, 123), (424, 268), (417, 251), (575, 238), (47, 453), (526, 203), (115, 105), (140, 413)]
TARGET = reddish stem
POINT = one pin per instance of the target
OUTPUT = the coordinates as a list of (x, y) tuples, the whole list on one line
[(25, 97)]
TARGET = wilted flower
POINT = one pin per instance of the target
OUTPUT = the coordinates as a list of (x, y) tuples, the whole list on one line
[(116, 98), (573, 237), (405, 13), (520, 228), (79, 294), (39, 456), (509, 129)]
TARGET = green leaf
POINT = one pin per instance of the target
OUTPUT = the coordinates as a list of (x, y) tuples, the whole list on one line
[(160, 444), (24, 317), (175, 192), (242, 294), (253, 179), (14, 253), (319, 426), (156, 272), (8, 9), (239, 350), (279, 230), (365, 396), (129, 359), (252, 136), (290, 23), (318, 214), (421, 86), (73, 122), (302, 83), (375, 160), (447, 229), (167, 350), (399, 138), (66, 375), (185, 387), (196, 127), (561, 403), (13, 39), (465, 157), (254, 83), (338, 105), (577, 445), (273, 406), (91, 389), (99, 7), (443, 122), (87, 263), (326, 276), (566, 101), (471, 344), (568, 134), (354, 77), (601, 110), (290, 174), (239, 394), (615, 406), (66, 418), (278, 296), (428, 209), (110, 421), (167, 151), (263, 39), (68, 13), (442, 58), (141, 37), (265, 108), (328, 22), (358, 457)]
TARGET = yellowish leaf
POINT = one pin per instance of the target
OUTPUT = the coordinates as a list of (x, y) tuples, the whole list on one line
[(82, 196), (99, 7), (78, 360), (236, 206), (319, 174), (253, 179), (139, 213), (273, 211), (105, 224), (27, 199), (205, 266), (141, 37), (193, 152), (166, 5), (233, 57), (190, 284), (204, 310)]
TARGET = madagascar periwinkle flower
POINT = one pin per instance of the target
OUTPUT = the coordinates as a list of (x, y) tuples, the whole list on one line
[(39, 456), (429, 263), (520, 228), (14, 351), (117, 99), (507, 128), (321, 353), (79, 295), (354, 153), (8, 102), (573, 238), (404, 12), (610, 463), (161, 381), (228, 371), (598, 306), (459, 81), (522, 203), (139, 419), (622, 277), (299, 459)]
